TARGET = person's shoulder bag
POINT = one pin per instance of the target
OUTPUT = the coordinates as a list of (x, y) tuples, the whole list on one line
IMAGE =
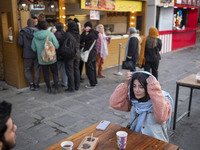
[(85, 54)]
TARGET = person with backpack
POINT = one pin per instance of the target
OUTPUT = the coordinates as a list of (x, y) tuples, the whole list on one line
[(41, 41), (60, 60), (70, 50), (88, 37), (30, 57)]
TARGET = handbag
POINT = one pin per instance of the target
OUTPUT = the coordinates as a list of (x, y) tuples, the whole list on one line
[(85, 54), (128, 65)]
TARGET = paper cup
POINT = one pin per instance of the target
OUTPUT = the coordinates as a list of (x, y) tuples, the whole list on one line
[(67, 145), (10, 38), (121, 139)]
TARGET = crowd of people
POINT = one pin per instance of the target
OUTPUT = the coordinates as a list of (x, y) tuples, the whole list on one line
[(33, 39), (141, 94)]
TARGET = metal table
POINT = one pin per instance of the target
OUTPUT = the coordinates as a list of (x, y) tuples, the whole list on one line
[(190, 82)]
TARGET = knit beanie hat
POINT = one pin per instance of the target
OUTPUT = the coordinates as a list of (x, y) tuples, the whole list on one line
[(132, 30), (31, 22), (153, 32), (88, 24)]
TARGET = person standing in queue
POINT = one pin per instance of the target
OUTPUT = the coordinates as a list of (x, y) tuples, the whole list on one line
[(150, 52), (38, 42), (30, 57), (88, 37), (102, 50), (72, 64)]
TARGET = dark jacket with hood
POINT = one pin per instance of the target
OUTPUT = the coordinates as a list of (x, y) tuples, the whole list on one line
[(88, 38), (25, 39), (59, 34), (72, 30)]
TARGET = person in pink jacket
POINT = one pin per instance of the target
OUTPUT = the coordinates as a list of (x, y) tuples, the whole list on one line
[(150, 107)]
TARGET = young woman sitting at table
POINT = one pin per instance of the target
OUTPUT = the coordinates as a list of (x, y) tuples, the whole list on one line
[(150, 107)]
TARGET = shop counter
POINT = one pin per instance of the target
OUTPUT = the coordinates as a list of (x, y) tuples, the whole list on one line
[(183, 38)]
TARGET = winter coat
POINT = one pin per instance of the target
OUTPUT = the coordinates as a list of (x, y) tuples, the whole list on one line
[(38, 41), (133, 49), (152, 54), (25, 39), (59, 35), (88, 39)]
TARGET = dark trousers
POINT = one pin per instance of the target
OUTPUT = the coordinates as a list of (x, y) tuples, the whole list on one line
[(153, 66), (30, 63), (81, 67), (54, 71), (91, 72), (73, 73)]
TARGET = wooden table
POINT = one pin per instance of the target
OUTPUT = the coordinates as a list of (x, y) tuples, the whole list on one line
[(191, 82), (108, 139)]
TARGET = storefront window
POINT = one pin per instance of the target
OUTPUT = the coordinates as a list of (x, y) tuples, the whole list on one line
[(180, 18)]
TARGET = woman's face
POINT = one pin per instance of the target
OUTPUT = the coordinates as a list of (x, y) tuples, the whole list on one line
[(101, 29), (138, 89)]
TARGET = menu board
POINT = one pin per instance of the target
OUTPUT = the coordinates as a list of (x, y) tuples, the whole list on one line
[(198, 4), (94, 15), (194, 2), (100, 4), (178, 1)]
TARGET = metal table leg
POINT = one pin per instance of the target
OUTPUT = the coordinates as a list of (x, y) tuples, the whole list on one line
[(175, 108), (190, 102)]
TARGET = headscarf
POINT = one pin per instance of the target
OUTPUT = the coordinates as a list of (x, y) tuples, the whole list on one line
[(153, 32), (142, 108)]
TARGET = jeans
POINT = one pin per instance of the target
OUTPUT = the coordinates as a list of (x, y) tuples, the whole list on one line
[(61, 65), (153, 66), (30, 63), (91, 72)]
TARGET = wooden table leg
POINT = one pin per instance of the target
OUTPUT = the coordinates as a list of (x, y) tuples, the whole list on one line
[(175, 108)]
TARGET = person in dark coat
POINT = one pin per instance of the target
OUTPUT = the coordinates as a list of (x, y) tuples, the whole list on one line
[(72, 64), (60, 61), (88, 36), (150, 52), (132, 47), (30, 57)]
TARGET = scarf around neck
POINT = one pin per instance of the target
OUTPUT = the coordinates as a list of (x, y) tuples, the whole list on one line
[(104, 45)]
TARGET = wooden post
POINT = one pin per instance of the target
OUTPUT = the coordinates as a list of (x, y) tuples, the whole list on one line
[(61, 14)]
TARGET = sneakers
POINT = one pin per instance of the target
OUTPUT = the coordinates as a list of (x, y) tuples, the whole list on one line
[(32, 87), (69, 90), (37, 86), (88, 86), (101, 76)]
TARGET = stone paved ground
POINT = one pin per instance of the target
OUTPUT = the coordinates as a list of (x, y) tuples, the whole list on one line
[(44, 119)]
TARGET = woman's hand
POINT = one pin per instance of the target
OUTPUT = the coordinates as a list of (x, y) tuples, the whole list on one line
[(127, 78), (151, 79)]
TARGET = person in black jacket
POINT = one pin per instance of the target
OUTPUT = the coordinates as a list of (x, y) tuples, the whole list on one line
[(149, 54), (72, 64), (88, 36), (30, 57), (132, 47)]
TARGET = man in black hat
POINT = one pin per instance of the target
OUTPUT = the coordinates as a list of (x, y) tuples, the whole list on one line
[(88, 37), (7, 127)]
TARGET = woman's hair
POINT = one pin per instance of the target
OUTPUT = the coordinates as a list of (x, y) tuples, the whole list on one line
[(43, 25), (141, 77), (151, 42), (5, 111), (59, 26)]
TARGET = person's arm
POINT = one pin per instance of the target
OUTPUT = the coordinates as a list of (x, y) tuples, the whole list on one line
[(161, 106), (33, 45), (132, 48), (159, 44), (119, 99), (55, 41), (20, 39)]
